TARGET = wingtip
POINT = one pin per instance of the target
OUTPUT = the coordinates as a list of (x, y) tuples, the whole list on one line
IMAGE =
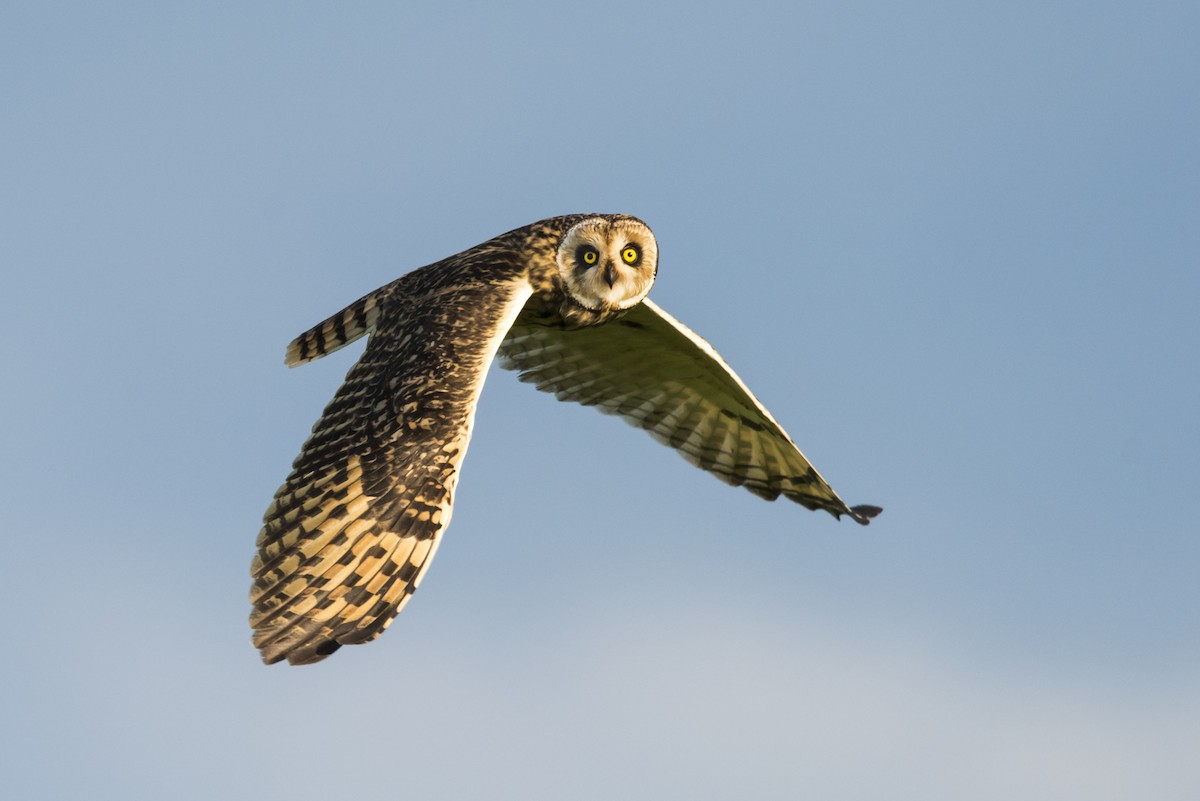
[(863, 513)]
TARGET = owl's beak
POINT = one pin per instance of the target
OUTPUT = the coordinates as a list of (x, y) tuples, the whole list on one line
[(610, 273)]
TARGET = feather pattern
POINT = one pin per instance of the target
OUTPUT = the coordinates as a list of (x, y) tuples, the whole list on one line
[(353, 529)]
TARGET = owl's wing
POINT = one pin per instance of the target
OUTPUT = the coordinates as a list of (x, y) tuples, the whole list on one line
[(350, 534), (650, 369)]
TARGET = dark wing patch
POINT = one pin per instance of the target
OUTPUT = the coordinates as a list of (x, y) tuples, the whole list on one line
[(654, 372)]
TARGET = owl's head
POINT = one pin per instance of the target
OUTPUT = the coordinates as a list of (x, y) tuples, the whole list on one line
[(608, 262)]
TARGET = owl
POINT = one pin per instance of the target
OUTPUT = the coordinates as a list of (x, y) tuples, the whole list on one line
[(352, 531)]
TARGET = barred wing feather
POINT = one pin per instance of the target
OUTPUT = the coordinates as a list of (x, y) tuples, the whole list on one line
[(354, 528), (654, 372)]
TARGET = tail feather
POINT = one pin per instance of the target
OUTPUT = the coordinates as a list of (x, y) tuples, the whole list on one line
[(338, 331)]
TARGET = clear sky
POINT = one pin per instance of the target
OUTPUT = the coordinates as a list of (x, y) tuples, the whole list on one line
[(955, 248)]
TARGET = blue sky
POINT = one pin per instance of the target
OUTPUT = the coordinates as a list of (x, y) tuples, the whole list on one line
[(953, 248)]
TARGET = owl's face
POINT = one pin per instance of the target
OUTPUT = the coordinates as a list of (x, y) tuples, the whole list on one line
[(608, 262)]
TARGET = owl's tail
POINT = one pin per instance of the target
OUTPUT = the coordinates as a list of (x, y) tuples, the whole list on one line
[(338, 331)]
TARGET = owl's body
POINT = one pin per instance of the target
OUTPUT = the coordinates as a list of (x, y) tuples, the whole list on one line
[(351, 532)]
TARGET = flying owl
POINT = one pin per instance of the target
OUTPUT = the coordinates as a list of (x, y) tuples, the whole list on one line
[(563, 301)]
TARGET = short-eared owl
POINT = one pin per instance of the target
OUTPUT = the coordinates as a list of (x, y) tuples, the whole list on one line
[(350, 534)]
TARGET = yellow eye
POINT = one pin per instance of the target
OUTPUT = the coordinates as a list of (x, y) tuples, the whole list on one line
[(630, 254), (587, 255)]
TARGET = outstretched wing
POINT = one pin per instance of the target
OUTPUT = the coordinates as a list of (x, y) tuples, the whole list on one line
[(354, 528), (650, 369)]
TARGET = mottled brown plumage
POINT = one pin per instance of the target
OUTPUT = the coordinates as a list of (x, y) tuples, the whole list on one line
[(352, 531)]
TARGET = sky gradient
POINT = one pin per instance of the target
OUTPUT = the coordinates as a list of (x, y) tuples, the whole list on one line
[(955, 251)]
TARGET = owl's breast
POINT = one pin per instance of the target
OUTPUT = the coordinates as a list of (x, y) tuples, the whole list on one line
[(556, 309)]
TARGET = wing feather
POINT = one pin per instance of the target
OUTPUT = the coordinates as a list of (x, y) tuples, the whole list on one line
[(351, 532), (654, 372)]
